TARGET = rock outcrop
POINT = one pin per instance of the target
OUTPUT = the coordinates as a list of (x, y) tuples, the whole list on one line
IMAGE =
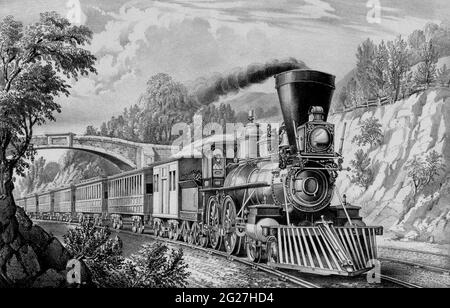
[(412, 128), (29, 256)]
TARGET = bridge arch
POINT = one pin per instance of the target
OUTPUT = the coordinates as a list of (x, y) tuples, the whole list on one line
[(121, 162), (125, 154)]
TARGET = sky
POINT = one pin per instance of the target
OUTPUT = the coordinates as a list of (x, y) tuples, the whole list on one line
[(135, 39)]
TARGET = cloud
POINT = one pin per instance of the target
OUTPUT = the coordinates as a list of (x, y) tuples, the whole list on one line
[(190, 39)]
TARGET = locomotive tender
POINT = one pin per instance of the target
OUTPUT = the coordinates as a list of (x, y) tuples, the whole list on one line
[(273, 205)]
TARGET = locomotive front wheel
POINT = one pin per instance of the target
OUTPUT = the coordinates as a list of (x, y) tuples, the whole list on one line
[(230, 237), (254, 252), (272, 250)]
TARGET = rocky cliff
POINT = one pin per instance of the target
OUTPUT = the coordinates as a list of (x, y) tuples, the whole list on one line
[(29, 256), (411, 128), (74, 166)]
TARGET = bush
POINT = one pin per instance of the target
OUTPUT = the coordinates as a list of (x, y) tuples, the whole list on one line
[(423, 171), (371, 133), (155, 266), (362, 173)]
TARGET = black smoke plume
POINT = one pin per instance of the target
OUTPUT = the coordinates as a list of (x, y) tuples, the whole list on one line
[(209, 90)]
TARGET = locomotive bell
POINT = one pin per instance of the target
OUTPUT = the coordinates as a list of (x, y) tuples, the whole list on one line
[(298, 91), (316, 114), (283, 138)]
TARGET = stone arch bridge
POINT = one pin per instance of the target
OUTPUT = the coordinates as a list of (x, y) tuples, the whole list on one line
[(126, 155)]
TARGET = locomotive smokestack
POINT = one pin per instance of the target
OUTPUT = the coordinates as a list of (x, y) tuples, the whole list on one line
[(209, 90), (298, 91)]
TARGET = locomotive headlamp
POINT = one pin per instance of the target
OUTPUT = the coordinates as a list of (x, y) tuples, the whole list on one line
[(320, 139)]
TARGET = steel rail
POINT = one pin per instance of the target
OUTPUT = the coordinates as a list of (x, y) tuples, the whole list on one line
[(430, 268), (400, 282)]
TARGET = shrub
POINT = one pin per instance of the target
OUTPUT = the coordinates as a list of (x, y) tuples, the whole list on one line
[(362, 173), (423, 171), (371, 133), (154, 266)]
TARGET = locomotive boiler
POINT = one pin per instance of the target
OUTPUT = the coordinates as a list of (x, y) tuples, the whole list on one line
[(297, 187)]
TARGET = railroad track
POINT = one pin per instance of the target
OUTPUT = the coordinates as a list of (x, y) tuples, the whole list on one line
[(400, 282), (427, 267), (413, 250), (257, 266), (262, 267)]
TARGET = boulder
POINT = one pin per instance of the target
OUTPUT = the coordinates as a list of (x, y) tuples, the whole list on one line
[(10, 231), (37, 237), (17, 243), (50, 279), (55, 255), (5, 253), (30, 260), (3, 282), (7, 210), (15, 270), (24, 221)]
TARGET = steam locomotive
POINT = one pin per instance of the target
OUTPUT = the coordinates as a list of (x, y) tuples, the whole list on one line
[(274, 205)]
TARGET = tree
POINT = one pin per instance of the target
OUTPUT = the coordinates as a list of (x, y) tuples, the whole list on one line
[(342, 98), (380, 70), (416, 41), (423, 172), (168, 102), (155, 266), (36, 62), (104, 130), (91, 131), (398, 64), (426, 71), (371, 133), (362, 173), (355, 94), (364, 67)]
